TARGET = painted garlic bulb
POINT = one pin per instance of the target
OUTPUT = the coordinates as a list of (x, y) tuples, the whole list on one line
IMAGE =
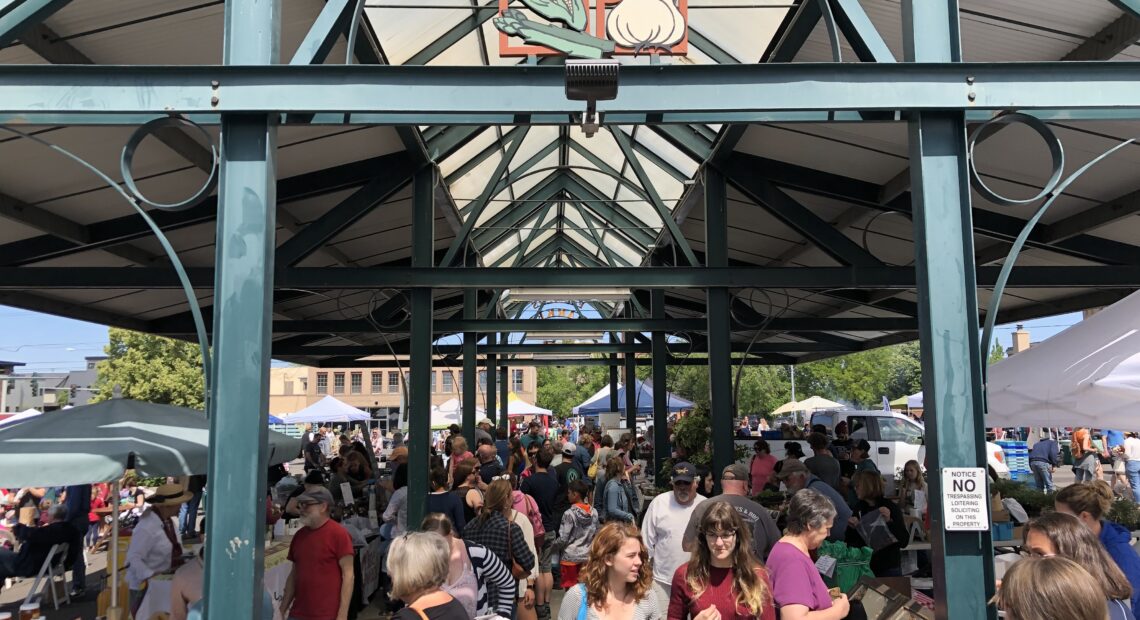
[(641, 24)]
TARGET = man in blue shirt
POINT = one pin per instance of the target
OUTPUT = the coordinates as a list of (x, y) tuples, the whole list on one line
[(1044, 456), (1114, 443)]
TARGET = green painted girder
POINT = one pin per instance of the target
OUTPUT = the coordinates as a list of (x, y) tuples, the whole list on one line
[(370, 278), (766, 360), (539, 254), (610, 211), (606, 168), (793, 33), (679, 240), (559, 348), (520, 249), (1131, 7), (685, 138), (860, 32), (480, 203), (986, 223), (21, 15), (518, 172), (451, 139), (495, 147), (613, 259), (521, 209), (710, 48), (332, 22), (479, 16), (397, 174), (126, 228), (656, 159), (801, 219)]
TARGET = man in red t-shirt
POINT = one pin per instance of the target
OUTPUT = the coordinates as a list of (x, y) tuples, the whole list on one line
[(321, 553)]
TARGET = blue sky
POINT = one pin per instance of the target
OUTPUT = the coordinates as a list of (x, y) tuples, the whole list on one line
[(47, 343)]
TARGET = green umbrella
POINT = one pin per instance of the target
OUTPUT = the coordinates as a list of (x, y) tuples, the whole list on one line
[(97, 443)]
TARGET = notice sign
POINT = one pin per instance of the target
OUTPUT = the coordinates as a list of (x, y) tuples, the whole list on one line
[(965, 501)]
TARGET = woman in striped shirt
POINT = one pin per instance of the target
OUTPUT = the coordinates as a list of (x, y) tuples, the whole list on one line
[(476, 577)]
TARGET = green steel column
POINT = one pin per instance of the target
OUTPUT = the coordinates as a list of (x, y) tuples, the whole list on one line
[(504, 393), (630, 380), (719, 323), (613, 368), (492, 375), (660, 402), (948, 314), (419, 409), (470, 368), (243, 300)]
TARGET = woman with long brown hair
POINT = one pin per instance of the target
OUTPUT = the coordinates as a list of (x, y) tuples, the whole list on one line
[(516, 461), (722, 578), (1056, 533), (503, 530), (1090, 502), (616, 580), (465, 486)]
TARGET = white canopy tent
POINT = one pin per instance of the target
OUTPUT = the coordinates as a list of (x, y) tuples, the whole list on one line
[(450, 412), (914, 401), (518, 406), (815, 403), (327, 409), (1087, 375)]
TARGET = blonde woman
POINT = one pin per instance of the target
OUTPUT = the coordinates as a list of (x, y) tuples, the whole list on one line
[(418, 563), (459, 453), (616, 580), (912, 480), (1052, 588), (723, 578)]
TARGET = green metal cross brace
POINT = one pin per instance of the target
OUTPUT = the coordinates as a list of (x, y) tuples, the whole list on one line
[(420, 362)]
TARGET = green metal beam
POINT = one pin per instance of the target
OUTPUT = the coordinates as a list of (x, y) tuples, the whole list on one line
[(239, 381), (793, 33), (521, 248), (473, 162), (521, 209), (609, 210), (624, 142), (420, 360), (332, 22), (23, 15), (860, 32), (948, 321), (481, 202), (768, 360), (365, 278), (470, 368), (456, 34), (660, 382), (722, 409)]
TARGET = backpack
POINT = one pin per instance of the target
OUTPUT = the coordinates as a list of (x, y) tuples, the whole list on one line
[(534, 515)]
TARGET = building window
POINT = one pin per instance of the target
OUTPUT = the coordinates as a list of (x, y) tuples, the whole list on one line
[(357, 382), (305, 384), (322, 383), (338, 383), (448, 381), (432, 375), (377, 382), (517, 380), (393, 383)]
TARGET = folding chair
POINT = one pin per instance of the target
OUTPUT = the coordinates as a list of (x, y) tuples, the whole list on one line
[(52, 568)]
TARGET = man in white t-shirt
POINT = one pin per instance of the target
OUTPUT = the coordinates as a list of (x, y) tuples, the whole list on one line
[(663, 528)]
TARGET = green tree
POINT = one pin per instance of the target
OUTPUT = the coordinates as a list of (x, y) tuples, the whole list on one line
[(997, 353), (560, 389), (151, 368)]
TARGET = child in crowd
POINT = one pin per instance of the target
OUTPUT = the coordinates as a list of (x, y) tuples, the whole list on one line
[(576, 533)]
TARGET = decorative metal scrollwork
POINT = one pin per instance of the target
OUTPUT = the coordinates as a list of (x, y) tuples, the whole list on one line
[(135, 198), (1052, 189)]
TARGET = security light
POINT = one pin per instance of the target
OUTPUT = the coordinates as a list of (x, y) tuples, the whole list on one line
[(591, 81)]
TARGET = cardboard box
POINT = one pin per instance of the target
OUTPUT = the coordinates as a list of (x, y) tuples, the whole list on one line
[(995, 503), (1019, 533), (1000, 516)]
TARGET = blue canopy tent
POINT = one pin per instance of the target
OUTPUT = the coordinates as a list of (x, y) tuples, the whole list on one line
[(600, 402)]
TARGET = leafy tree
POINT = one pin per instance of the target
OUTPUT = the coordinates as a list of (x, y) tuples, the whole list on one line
[(997, 353), (151, 368), (560, 389)]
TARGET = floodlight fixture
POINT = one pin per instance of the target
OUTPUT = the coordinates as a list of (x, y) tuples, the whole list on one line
[(591, 81)]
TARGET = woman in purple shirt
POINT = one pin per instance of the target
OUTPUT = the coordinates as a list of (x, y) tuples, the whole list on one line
[(796, 585)]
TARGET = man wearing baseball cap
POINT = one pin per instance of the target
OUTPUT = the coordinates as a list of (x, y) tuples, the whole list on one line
[(734, 482), (796, 476), (321, 554), (663, 528)]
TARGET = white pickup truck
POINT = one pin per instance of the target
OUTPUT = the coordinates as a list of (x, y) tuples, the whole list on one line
[(894, 438)]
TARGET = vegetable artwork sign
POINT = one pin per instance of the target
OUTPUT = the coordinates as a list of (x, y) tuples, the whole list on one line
[(563, 27)]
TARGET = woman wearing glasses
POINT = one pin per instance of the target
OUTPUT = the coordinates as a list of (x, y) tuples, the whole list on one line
[(798, 589), (465, 486), (722, 580), (1059, 534)]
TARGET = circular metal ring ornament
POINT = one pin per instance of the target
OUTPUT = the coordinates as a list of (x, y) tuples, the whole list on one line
[(1056, 152), (867, 230), (126, 163)]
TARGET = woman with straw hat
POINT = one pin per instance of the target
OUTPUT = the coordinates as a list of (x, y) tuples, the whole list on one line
[(155, 547)]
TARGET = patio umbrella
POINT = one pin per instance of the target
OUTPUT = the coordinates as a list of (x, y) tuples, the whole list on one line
[(97, 443), (814, 403)]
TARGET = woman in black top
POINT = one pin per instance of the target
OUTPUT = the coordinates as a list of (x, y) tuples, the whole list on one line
[(418, 563), (466, 481), (443, 502), (887, 560)]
